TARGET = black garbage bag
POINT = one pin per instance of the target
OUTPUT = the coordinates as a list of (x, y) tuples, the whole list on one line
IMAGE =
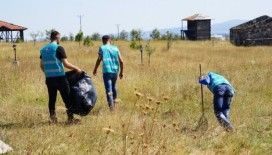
[(83, 93)]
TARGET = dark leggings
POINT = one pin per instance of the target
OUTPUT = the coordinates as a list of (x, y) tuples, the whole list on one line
[(64, 90)]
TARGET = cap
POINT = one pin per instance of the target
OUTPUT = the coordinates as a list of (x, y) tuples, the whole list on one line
[(205, 80)]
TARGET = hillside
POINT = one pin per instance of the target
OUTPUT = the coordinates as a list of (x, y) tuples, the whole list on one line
[(217, 28)]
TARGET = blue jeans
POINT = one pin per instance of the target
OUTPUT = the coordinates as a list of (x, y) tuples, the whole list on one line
[(222, 100), (110, 86)]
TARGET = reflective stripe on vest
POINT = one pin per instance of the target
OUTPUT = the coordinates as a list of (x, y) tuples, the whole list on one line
[(49, 62)]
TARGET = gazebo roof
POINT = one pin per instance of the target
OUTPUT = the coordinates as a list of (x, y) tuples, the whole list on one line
[(10, 26), (196, 17)]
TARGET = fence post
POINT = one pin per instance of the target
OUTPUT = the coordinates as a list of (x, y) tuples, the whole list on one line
[(15, 55)]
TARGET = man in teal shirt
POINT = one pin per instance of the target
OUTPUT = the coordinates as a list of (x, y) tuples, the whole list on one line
[(112, 61), (223, 92)]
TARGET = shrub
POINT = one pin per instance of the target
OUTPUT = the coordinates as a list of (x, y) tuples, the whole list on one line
[(124, 35), (79, 37), (96, 36), (155, 34), (64, 38), (88, 41), (71, 37), (135, 45), (150, 50), (136, 35)]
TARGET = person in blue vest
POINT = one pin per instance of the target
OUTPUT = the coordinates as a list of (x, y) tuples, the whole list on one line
[(53, 60), (223, 92), (112, 65)]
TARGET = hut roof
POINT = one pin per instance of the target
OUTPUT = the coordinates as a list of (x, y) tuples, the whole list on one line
[(197, 17), (263, 20), (10, 26)]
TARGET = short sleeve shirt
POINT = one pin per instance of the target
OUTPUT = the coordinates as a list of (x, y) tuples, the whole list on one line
[(60, 54)]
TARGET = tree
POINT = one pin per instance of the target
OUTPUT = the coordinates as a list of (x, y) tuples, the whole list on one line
[(71, 37), (150, 50), (134, 45), (136, 35), (79, 37), (34, 36), (88, 41), (124, 35), (96, 36), (169, 37), (64, 38), (155, 34)]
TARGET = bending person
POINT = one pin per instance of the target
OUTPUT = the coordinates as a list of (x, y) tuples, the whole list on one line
[(223, 93)]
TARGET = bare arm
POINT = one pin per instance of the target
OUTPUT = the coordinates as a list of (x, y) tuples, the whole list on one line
[(70, 66), (98, 61), (41, 66), (121, 66)]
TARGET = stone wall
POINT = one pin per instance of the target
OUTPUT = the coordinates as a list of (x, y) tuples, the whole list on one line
[(255, 32)]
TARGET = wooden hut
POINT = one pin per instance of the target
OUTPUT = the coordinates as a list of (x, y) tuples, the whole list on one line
[(198, 27), (10, 32), (254, 32)]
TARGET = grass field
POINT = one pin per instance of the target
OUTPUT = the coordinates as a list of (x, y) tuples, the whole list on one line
[(141, 125)]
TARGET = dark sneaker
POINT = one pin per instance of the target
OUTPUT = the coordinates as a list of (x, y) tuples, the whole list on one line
[(73, 121), (117, 101), (230, 129), (112, 108), (53, 120)]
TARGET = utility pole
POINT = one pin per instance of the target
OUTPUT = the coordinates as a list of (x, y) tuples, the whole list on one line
[(80, 22), (118, 31)]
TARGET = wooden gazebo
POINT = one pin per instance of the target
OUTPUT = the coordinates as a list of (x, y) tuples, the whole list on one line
[(198, 27), (10, 32)]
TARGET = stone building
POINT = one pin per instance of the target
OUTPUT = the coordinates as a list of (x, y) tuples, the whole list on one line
[(254, 32)]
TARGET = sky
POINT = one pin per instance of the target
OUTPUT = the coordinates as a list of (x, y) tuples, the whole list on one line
[(102, 16)]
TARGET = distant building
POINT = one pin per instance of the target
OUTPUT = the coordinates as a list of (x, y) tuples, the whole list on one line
[(255, 32), (11, 32), (198, 28)]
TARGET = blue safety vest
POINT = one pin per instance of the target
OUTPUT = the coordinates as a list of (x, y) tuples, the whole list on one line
[(216, 80), (110, 58), (53, 67)]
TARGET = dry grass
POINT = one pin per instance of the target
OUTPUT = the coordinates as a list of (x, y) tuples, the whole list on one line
[(158, 120)]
